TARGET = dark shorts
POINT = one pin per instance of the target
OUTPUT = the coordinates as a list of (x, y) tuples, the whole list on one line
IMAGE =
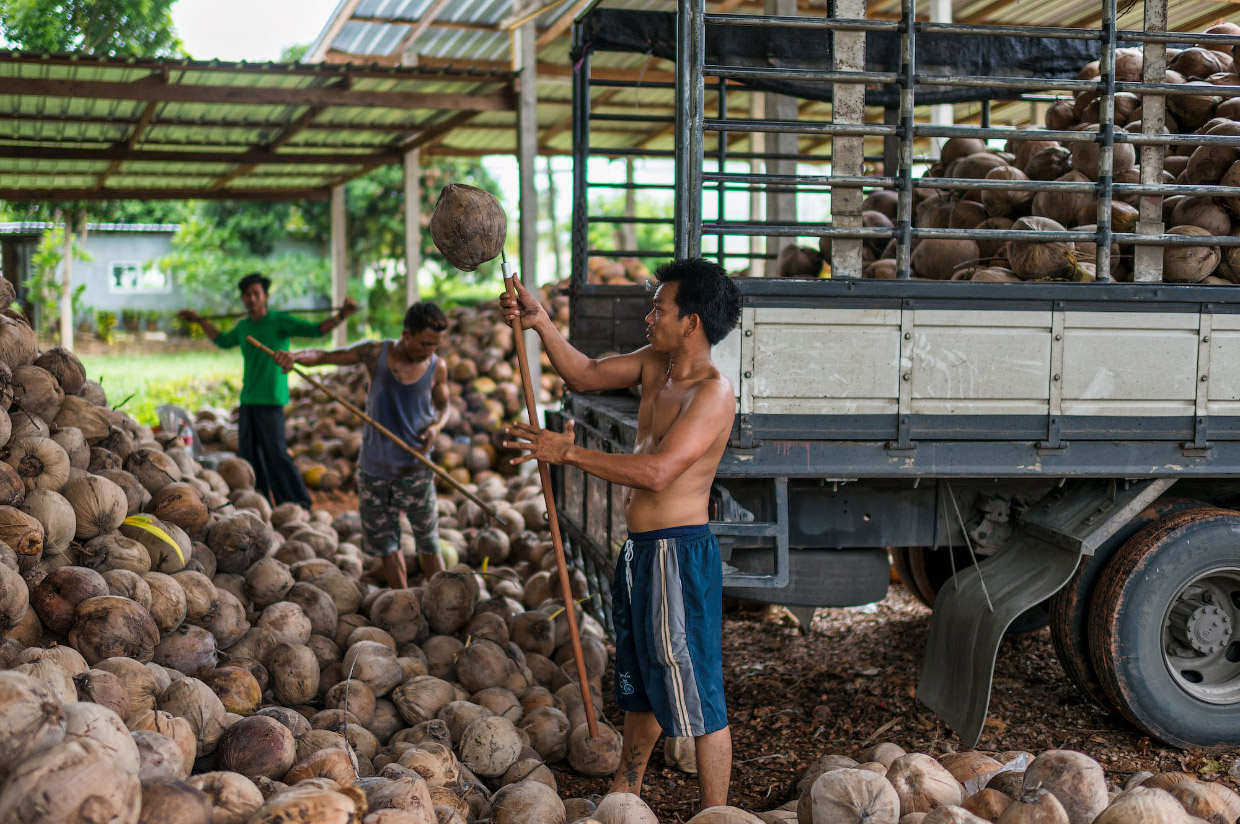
[(380, 502), (667, 608)]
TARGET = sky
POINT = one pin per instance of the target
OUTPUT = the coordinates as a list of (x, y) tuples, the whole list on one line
[(248, 29)]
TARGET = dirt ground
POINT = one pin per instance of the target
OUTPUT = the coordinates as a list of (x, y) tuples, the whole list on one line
[(850, 682)]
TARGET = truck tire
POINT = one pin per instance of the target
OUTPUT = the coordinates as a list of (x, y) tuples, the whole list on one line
[(1070, 606), (1163, 629), (901, 557), (930, 569)]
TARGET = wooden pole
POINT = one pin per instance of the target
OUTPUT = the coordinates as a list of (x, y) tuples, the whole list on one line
[(396, 439), (413, 225), (340, 259), (66, 285), (544, 474)]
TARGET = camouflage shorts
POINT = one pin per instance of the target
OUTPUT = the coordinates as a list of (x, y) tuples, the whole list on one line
[(381, 500)]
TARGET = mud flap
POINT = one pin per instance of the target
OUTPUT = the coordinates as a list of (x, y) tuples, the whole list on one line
[(974, 608)]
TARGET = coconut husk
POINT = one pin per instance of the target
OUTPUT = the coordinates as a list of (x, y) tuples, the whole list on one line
[(109, 626), (1189, 264), (75, 781), (36, 391), (98, 504), (65, 367), (41, 463), (1075, 779), (234, 798), (940, 259), (468, 226), (54, 512), (80, 413)]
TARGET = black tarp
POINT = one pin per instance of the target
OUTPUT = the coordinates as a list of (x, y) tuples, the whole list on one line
[(654, 33)]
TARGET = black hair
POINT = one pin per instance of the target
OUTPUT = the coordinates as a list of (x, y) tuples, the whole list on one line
[(253, 278), (425, 315), (706, 291)]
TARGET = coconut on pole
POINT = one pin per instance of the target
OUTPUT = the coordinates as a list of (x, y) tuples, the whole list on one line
[(469, 227)]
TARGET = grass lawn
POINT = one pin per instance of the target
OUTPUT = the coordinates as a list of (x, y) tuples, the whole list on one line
[(189, 378)]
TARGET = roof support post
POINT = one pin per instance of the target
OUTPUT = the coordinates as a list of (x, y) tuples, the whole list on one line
[(66, 285), (847, 153), (340, 259), (781, 201), (525, 54), (413, 224)]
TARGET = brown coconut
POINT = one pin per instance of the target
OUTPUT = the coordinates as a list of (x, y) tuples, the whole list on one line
[(238, 540), (187, 649), (489, 746), (234, 798), (923, 784), (468, 226), (31, 719), (56, 515), (41, 463), (940, 259), (75, 781), (527, 802), (236, 687), (1075, 779), (99, 505), (849, 795), (159, 756), (449, 602), (375, 664), (256, 746), (970, 766), (109, 626), (1144, 804), (180, 504), (194, 701), (594, 756), (1035, 259), (988, 804), (308, 802), (1050, 163), (56, 597), (1189, 264), (294, 674), (399, 613)]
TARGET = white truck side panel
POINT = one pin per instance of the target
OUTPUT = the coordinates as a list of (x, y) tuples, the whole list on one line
[(847, 362)]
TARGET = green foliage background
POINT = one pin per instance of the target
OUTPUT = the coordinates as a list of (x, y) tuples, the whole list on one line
[(221, 241)]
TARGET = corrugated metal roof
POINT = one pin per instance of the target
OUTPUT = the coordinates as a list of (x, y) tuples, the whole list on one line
[(74, 127)]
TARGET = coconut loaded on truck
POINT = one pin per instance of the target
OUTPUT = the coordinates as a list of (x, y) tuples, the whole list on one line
[(1040, 443)]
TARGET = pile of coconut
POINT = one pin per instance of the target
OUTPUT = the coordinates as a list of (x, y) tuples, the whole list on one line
[(176, 649), (1030, 158), (483, 381), (887, 785), (625, 271)]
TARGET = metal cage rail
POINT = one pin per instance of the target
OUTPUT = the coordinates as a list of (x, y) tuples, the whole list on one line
[(847, 127)]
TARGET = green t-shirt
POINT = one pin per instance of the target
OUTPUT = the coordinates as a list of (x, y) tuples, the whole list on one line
[(263, 383)]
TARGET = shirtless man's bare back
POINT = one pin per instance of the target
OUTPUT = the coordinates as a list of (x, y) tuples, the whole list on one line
[(667, 588)]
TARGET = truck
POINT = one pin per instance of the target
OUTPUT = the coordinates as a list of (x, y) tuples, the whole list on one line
[(1026, 454)]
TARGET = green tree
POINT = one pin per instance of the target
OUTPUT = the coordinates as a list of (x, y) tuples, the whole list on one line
[(100, 27)]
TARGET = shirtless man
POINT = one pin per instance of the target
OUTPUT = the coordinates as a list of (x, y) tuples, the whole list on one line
[(666, 593)]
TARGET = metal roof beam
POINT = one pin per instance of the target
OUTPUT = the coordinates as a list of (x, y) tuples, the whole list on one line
[(415, 31), (167, 156), (405, 128), (139, 130), (161, 92), (161, 194), (562, 23), (454, 25)]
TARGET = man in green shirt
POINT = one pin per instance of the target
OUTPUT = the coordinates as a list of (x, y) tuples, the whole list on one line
[(264, 385)]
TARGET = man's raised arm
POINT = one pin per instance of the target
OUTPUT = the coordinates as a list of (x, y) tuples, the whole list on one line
[(347, 356), (581, 373), (706, 416)]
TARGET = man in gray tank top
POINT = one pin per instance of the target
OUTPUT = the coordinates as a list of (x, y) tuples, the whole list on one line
[(408, 395)]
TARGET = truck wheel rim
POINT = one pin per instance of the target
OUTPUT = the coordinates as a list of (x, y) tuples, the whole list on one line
[(1201, 637)]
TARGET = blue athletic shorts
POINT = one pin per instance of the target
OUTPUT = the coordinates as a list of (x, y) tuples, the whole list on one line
[(667, 608)]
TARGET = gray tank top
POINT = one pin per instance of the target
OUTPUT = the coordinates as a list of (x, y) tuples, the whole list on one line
[(404, 408)]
